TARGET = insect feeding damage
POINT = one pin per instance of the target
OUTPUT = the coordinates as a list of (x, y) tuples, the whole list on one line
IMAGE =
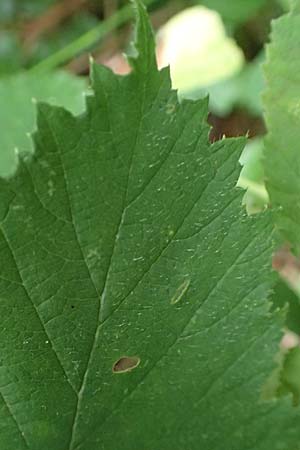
[(126, 364), (180, 292)]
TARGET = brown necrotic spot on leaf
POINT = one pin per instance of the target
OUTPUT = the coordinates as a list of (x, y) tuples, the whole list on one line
[(125, 364)]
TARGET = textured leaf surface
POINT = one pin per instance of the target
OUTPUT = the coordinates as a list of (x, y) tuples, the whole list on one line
[(282, 105), (133, 285), (18, 95)]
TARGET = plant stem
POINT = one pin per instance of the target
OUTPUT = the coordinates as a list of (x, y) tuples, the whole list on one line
[(87, 40)]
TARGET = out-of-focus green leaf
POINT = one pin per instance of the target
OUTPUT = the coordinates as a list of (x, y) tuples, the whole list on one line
[(242, 90), (290, 375), (235, 12), (282, 105), (251, 160), (285, 380), (286, 4), (283, 296), (18, 95), (252, 176)]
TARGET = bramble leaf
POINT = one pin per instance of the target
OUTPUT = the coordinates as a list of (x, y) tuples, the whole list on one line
[(133, 284)]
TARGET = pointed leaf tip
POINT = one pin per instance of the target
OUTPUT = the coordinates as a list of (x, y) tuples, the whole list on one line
[(142, 57)]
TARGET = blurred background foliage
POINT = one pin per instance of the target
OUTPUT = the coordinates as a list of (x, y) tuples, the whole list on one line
[(32, 30)]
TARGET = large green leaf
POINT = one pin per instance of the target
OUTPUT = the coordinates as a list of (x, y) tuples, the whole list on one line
[(18, 96), (282, 105), (124, 246)]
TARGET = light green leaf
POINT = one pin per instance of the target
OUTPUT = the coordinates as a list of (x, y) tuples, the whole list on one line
[(252, 176), (18, 96), (133, 284), (282, 105)]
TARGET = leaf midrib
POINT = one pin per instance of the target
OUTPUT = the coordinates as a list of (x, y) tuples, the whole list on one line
[(139, 281), (102, 295)]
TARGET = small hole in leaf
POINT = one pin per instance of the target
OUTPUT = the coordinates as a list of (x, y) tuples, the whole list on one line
[(125, 364), (72, 306)]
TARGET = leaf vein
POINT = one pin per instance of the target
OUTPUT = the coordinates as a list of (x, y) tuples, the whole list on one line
[(36, 310), (15, 421)]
